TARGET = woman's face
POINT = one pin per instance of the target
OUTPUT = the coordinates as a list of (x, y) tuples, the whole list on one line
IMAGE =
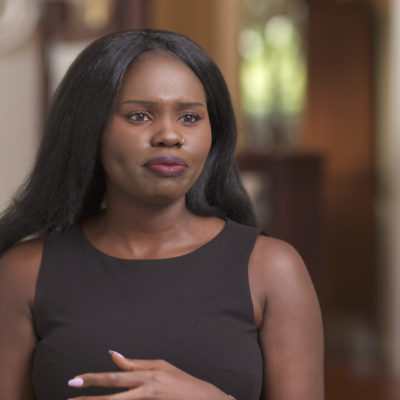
[(155, 146)]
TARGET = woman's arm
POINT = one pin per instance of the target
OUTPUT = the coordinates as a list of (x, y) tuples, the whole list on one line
[(290, 322), (18, 274)]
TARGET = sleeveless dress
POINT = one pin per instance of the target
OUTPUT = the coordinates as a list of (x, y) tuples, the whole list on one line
[(194, 311)]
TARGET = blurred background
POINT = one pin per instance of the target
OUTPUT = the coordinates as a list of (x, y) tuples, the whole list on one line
[(316, 88)]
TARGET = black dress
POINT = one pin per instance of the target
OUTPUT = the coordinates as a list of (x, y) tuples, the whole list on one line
[(194, 311)]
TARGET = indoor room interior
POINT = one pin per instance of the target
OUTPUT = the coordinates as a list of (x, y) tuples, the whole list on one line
[(316, 88)]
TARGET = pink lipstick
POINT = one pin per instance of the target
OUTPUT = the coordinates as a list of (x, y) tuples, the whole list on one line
[(166, 166)]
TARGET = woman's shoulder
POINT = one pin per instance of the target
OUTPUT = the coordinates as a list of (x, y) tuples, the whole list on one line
[(275, 266), (23, 253), (19, 268), (270, 254)]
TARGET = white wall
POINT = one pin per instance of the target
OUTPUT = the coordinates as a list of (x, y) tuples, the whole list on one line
[(20, 114), (388, 199)]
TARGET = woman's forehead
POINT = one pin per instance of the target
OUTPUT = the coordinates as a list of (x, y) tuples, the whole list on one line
[(161, 74)]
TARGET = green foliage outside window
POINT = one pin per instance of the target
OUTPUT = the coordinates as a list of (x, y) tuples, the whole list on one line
[(273, 71)]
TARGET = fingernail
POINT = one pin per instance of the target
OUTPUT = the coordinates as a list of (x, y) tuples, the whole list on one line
[(111, 352), (76, 382)]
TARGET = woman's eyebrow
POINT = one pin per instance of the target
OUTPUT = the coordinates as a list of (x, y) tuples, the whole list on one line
[(147, 102), (139, 102)]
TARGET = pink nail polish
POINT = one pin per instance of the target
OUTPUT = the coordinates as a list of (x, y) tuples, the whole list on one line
[(111, 352), (76, 382)]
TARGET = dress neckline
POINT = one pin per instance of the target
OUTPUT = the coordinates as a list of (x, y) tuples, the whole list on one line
[(199, 249)]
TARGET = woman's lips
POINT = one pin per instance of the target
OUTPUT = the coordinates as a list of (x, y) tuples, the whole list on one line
[(166, 166)]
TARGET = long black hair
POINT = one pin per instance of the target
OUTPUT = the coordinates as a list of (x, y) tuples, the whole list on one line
[(67, 182)]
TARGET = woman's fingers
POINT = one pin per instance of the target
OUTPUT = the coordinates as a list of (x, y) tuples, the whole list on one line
[(139, 365), (135, 373), (121, 361), (128, 395), (123, 379), (147, 379)]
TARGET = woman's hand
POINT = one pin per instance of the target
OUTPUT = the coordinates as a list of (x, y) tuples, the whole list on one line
[(148, 379)]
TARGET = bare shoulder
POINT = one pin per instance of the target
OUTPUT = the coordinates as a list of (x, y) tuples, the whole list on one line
[(19, 268), (276, 263), (278, 277), (268, 249), (24, 255)]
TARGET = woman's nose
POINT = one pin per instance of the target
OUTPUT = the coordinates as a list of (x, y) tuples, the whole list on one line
[(167, 134)]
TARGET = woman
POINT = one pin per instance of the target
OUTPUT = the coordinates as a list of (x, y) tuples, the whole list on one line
[(144, 246)]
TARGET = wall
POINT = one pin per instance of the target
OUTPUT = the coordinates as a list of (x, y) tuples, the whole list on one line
[(388, 204), (20, 114)]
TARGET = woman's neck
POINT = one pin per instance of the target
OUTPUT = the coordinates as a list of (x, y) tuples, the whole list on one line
[(145, 219), (147, 232)]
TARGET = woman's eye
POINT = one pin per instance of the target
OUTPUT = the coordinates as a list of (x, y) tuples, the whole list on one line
[(138, 117), (189, 118)]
